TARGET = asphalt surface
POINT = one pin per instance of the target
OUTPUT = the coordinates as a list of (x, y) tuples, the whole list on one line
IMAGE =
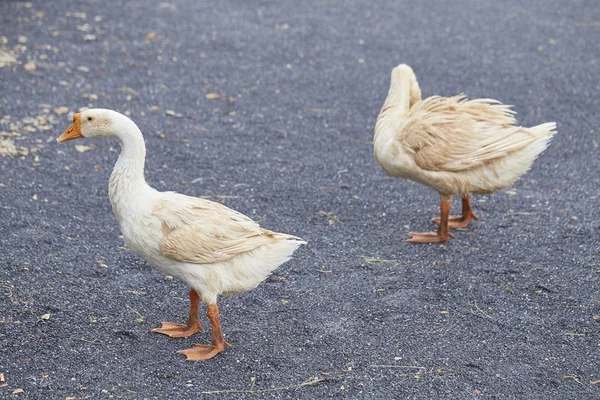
[(508, 310)]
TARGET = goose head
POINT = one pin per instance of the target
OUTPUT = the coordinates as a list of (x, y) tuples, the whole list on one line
[(96, 122), (404, 80), (401, 73)]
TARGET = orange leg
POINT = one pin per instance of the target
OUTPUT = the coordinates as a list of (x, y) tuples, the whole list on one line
[(461, 221), (184, 330), (204, 352), (442, 234)]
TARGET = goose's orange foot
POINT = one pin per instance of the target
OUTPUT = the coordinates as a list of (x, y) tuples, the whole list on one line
[(178, 330), (428, 237), (203, 352), (457, 221)]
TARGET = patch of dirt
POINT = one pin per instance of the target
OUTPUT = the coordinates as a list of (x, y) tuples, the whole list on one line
[(8, 148)]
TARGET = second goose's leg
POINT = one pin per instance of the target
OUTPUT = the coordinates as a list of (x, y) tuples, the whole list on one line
[(443, 233), (184, 330), (461, 221)]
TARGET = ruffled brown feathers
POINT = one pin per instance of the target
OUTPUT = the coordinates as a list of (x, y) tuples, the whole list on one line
[(203, 232), (454, 133)]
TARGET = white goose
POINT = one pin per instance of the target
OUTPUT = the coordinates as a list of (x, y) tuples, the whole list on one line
[(215, 250), (452, 145)]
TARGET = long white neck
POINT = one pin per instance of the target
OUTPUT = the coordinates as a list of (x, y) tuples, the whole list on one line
[(127, 178), (403, 94)]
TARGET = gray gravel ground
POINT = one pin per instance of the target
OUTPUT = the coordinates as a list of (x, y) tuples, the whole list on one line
[(508, 310)]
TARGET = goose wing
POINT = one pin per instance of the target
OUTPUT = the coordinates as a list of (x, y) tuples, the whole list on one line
[(200, 231), (456, 134)]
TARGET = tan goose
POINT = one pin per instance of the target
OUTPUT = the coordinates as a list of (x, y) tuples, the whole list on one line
[(215, 250), (454, 145)]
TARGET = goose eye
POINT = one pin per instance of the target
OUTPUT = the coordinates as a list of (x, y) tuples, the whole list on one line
[(89, 118)]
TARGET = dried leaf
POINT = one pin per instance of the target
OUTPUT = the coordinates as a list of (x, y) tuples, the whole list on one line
[(172, 113), (17, 391), (91, 96), (6, 59), (61, 110), (84, 28), (126, 89), (80, 15), (82, 148)]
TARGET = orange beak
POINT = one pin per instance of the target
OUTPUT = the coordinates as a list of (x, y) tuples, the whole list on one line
[(72, 132)]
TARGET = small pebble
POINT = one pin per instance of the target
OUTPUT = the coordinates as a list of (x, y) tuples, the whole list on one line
[(30, 66)]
